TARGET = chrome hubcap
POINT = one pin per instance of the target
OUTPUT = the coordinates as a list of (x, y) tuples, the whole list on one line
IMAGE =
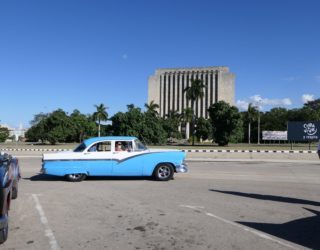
[(75, 176), (164, 172)]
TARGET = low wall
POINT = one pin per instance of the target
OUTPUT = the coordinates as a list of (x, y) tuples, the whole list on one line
[(208, 155)]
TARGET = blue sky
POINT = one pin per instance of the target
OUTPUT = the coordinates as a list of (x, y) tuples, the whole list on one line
[(73, 54)]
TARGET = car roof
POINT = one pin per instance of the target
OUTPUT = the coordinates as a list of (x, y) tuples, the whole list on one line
[(108, 138)]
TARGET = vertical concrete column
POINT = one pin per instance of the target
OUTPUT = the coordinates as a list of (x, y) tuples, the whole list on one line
[(217, 86), (166, 82), (180, 93), (161, 95), (187, 130), (200, 99), (171, 92), (213, 90), (209, 88), (176, 94), (204, 100), (192, 76), (188, 77)]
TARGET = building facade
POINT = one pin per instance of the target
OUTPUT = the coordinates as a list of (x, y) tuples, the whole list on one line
[(15, 133), (166, 88)]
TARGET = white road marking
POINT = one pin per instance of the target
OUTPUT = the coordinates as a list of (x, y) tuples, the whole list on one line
[(28, 156), (48, 232), (192, 207), (245, 228)]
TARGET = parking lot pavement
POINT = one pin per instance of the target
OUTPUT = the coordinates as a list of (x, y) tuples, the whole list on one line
[(217, 205)]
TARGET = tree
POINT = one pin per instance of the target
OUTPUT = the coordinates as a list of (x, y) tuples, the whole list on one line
[(314, 105), (4, 134), (38, 118), (225, 119), (153, 130), (275, 119), (37, 132), (171, 124), (146, 126), (303, 114), (100, 115), (204, 129), (152, 108), (129, 123), (194, 92), (82, 126), (58, 127)]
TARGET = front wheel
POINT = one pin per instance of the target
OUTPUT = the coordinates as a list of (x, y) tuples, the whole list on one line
[(75, 177), (163, 172)]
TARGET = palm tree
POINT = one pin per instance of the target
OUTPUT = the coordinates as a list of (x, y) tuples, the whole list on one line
[(251, 116), (100, 115), (186, 117), (173, 114), (194, 92), (152, 107)]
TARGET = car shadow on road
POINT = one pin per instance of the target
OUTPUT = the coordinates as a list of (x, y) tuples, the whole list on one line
[(270, 197), (45, 177), (302, 231), (118, 178)]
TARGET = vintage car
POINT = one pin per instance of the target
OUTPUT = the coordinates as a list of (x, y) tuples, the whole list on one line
[(114, 156), (9, 178)]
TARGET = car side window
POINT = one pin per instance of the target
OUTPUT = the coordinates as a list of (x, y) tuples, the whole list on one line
[(139, 146), (100, 147), (123, 146)]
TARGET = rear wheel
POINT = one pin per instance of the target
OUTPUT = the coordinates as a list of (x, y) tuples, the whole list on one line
[(75, 177), (163, 172)]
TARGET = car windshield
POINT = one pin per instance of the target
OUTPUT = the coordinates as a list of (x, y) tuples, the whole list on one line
[(139, 146), (80, 148)]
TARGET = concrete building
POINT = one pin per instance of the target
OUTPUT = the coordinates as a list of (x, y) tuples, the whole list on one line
[(15, 133), (166, 87)]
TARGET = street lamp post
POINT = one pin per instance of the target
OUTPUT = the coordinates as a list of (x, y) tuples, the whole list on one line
[(258, 108), (258, 126)]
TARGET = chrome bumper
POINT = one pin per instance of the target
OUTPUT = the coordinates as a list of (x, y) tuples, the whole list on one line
[(42, 170), (182, 168)]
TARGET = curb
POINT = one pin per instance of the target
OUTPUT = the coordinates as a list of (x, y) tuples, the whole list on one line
[(34, 149), (250, 160), (184, 150), (249, 151)]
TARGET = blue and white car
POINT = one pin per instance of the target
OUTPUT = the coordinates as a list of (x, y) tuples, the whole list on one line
[(114, 156)]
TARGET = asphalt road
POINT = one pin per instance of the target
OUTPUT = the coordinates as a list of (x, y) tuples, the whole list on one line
[(217, 205)]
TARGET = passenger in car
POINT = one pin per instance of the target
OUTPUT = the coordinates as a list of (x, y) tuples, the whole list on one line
[(119, 146)]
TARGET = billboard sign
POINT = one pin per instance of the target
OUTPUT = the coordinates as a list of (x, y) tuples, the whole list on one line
[(304, 131), (275, 135)]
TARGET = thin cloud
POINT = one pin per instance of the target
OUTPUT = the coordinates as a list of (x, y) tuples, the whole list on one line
[(260, 102), (307, 98), (124, 56), (290, 78), (242, 105)]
